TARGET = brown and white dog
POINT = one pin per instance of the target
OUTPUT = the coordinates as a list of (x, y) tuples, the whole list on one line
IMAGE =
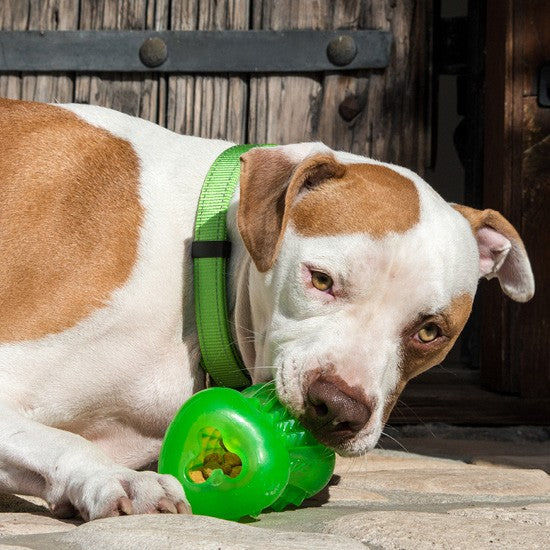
[(348, 277)]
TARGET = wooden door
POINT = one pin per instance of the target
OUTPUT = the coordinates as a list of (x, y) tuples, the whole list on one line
[(516, 337)]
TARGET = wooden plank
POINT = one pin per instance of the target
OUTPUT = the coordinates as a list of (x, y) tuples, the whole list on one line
[(375, 113), (530, 330), (495, 361), (286, 109), (530, 323), (208, 106), (38, 15), (516, 337), (135, 94)]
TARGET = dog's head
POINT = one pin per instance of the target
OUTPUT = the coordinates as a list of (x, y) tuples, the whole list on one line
[(364, 277)]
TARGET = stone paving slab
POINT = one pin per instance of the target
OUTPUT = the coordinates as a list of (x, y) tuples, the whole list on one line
[(425, 530), (176, 532), (515, 446), (387, 500)]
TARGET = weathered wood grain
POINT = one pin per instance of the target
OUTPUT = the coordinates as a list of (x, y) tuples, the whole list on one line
[(286, 109), (274, 108), (530, 330), (516, 337), (530, 323), (38, 15), (392, 121), (208, 106), (135, 94)]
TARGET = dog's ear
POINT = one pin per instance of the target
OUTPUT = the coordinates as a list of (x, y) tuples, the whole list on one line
[(501, 252), (270, 183)]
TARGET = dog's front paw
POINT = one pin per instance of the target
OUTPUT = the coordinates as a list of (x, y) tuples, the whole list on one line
[(121, 491)]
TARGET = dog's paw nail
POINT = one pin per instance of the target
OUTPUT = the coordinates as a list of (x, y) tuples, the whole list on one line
[(125, 507), (166, 506), (182, 507)]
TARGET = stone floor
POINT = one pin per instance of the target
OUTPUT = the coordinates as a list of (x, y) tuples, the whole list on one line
[(455, 488)]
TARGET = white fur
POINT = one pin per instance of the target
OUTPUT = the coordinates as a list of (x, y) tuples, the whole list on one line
[(79, 408)]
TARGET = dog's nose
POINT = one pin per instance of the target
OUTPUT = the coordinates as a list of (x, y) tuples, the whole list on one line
[(332, 414)]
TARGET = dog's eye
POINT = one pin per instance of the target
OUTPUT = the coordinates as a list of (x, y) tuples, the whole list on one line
[(428, 333), (321, 281)]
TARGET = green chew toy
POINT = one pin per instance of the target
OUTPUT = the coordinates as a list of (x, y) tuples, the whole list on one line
[(237, 454)]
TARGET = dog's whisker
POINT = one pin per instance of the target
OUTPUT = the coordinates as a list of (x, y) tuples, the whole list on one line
[(265, 388), (421, 421), (353, 463), (236, 342), (401, 402), (396, 441), (446, 370), (247, 329)]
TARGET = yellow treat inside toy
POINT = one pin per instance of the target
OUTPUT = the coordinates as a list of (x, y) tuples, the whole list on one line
[(196, 476), (229, 463)]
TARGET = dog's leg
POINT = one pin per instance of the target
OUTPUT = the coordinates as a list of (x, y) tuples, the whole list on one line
[(69, 471)]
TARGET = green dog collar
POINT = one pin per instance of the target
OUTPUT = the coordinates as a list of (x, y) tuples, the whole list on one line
[(210, 251)]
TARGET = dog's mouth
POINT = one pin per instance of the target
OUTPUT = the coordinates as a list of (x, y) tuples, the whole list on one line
[(341, 437), (345, 437), (341, 417), (329, 431), (338, 415)]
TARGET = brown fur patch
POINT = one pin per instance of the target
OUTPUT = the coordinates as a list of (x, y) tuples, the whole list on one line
[(366, 198), (417, 359), (69, 218), (321, 196), (264, 178), (269, 185)]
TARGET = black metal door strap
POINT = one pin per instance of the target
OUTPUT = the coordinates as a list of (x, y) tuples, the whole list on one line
[(193, 51)]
